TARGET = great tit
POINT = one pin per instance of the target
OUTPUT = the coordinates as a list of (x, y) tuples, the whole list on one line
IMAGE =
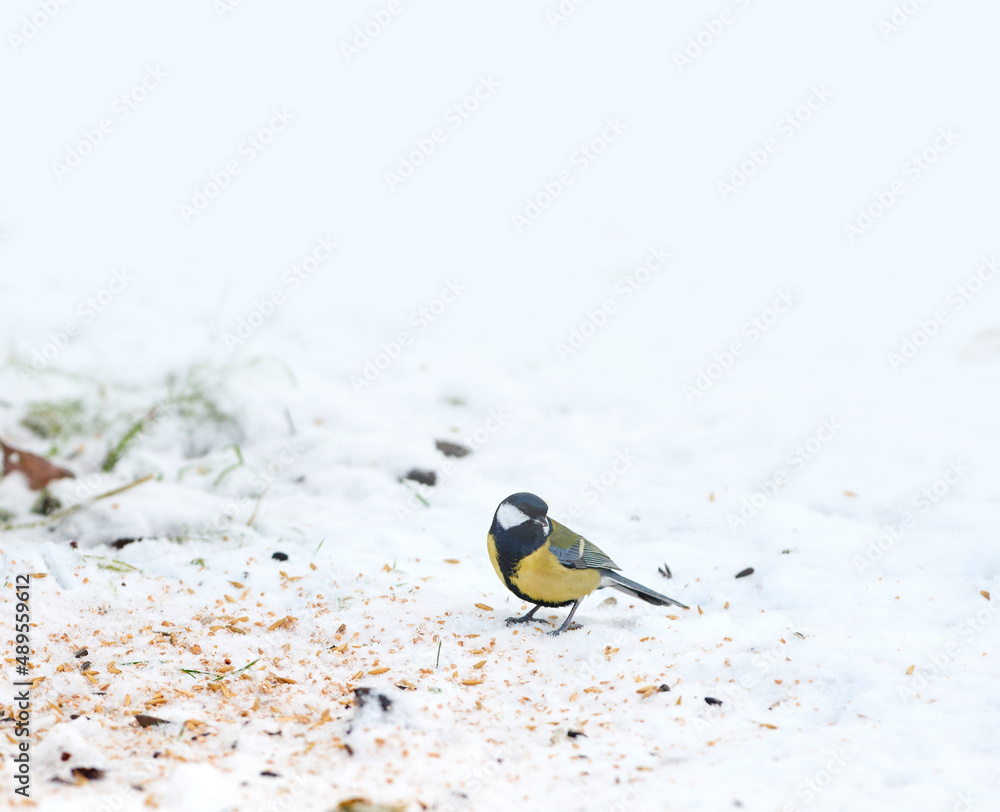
[(547, 564)]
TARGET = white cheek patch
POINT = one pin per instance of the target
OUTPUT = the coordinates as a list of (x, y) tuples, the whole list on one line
[(509, 516)]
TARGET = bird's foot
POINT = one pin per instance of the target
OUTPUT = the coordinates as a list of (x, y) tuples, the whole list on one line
[(527, 619), (565, 628)]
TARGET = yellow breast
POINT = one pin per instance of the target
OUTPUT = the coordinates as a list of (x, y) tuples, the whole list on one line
[(491, 545), (541, 578)]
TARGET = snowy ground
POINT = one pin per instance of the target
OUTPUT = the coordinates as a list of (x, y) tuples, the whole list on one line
[(717, 282)]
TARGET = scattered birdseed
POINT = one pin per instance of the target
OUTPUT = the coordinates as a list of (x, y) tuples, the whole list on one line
[(88, 773)]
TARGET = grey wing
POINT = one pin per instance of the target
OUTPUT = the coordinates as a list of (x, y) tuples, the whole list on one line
[(575, 552)]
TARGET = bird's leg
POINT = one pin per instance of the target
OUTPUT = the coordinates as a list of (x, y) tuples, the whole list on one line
[(528, 618), (568, 624)]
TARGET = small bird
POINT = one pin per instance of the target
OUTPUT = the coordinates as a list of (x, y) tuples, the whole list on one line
[(547, 564)]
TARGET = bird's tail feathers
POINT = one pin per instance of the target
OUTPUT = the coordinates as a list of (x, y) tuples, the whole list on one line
[(610, 578)]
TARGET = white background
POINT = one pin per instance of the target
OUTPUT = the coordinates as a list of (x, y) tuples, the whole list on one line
[(892, 81)]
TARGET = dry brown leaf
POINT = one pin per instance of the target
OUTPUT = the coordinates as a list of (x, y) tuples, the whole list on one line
[(37, 470), (145, 720)]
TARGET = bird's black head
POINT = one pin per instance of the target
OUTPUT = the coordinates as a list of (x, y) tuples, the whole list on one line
[(520, 526), (519, 508)]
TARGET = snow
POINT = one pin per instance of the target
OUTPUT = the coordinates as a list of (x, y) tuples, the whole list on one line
[(735, 311)]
